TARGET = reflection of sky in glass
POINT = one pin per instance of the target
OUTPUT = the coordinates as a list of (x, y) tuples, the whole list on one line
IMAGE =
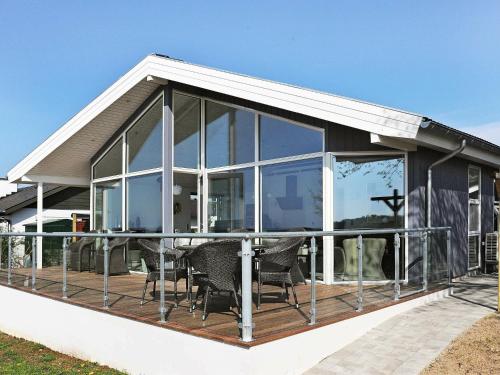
[(357, 182), (292, 195), (229, 136), (145, 140), (144, 203), (111, 162), (280, 138), (186, 152), (186, 131)]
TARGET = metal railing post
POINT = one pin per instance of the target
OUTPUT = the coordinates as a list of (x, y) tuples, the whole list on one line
[(65, 268), (105, 248), (359, 245), (424, 259), (9, 261), (1, 252), (397, 246), (449, 258), (313, 251), (33, 261), (163, 309), (246, 291)]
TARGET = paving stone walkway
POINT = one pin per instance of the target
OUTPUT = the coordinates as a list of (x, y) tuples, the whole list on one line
[(407, 343)]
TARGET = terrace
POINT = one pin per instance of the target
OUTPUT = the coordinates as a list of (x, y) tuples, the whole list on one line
[(277, 318)]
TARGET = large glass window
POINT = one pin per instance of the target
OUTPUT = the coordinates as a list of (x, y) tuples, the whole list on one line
[(144, 140), (111, 163), (108, 206), (292, 195), (230, 135), (231, 200), (186, 131), (279, 138), (144, 203), (369, 192)]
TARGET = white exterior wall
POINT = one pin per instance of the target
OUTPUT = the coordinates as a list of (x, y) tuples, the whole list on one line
[(140, 348)]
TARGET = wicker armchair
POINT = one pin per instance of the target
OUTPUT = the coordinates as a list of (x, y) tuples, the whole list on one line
[(117, 263), (215, 264), (276, 264), (151, 256), (80, 254)]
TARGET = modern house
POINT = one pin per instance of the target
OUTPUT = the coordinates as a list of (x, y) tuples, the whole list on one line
[(176, 147)]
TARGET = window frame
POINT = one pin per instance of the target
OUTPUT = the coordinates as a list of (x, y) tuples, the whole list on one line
[(125, 174), (476, 233)]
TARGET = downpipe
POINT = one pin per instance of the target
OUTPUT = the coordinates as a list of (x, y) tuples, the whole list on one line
[(429, 203), (429, 179)]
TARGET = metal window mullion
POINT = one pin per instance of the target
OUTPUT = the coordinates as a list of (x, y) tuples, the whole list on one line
[(204, 178), (256, 192), (124, 225)]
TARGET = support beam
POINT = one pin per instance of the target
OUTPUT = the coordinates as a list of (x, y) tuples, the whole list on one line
[(39, 223), (168, 156)]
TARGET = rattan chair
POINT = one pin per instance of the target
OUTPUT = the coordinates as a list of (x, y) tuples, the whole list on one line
[(80, 254), (117, 263), (276, 264), (151, 255), (214, 266)]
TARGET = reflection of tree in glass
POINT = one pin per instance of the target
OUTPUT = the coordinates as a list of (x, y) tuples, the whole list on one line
[(389, 169)]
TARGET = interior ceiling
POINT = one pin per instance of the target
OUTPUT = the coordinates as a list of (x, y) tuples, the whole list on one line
[(72, 158)]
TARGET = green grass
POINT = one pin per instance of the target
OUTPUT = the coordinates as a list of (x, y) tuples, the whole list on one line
[(21, 357)]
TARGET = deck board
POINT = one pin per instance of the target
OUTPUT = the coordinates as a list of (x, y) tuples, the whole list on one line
[(276, 319)]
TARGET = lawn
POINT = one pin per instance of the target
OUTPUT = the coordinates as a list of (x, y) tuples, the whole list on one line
[(476, 351), (21, 357)]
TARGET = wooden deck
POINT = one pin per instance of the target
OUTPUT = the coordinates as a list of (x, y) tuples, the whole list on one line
[(276, 319)]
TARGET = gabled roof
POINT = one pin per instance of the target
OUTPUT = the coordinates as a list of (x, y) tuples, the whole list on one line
[(99, 119), (65, 156)]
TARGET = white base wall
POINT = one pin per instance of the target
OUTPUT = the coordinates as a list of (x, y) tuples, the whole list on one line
[(139, 348)]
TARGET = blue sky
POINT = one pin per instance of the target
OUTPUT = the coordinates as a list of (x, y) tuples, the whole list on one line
[(440, 59)]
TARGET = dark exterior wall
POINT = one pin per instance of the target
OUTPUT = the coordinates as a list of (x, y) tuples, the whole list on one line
[(450, 200), (72, 198)]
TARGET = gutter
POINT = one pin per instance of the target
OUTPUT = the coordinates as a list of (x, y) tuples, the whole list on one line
[(429, 178)]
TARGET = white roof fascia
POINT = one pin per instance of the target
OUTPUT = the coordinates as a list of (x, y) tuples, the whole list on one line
[(396, 143), (76, 123), (357, 114)]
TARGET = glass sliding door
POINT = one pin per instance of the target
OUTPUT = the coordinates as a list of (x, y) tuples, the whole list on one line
[(231, 200), (185, 201), (144, 202), (369, 193), (292, 195), (292, 199)]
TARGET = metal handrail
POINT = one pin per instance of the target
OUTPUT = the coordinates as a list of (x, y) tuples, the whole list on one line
[(245, 235), (246, 323)]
